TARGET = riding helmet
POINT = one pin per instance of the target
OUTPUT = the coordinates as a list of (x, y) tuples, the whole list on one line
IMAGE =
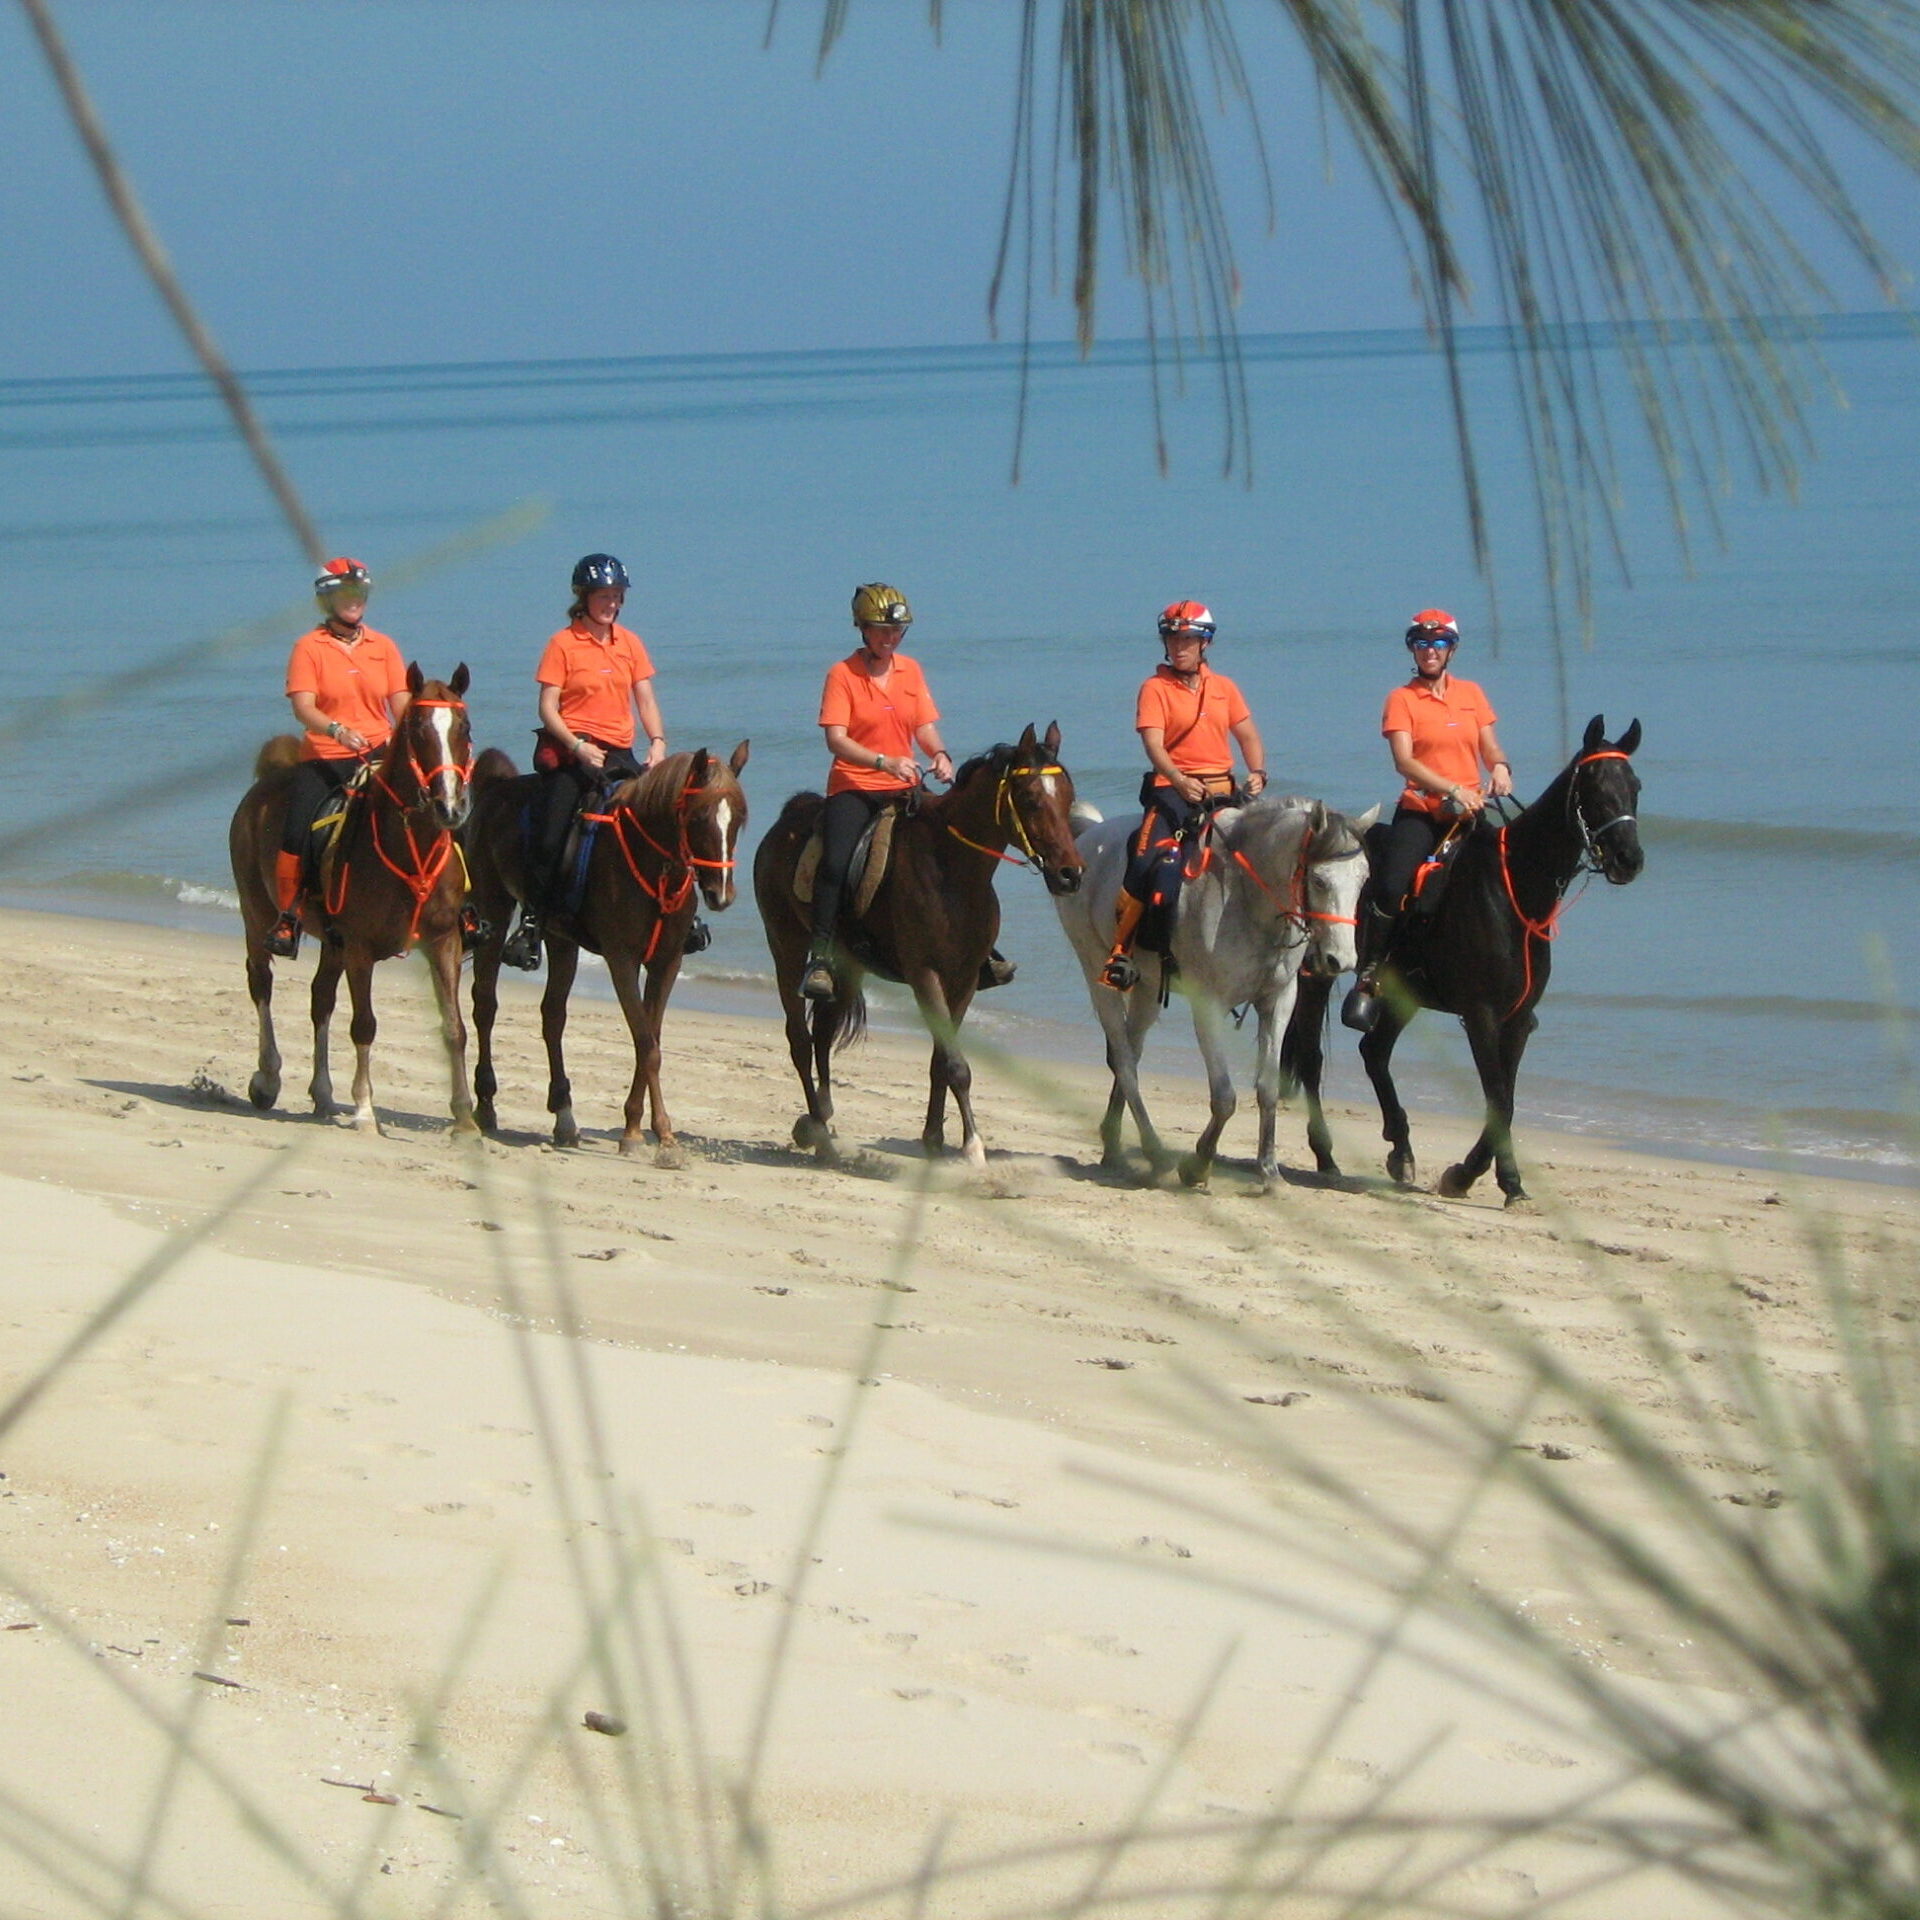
[(598, 571), (343, 577), (1434, 623), (1187, 616), (879, 605)]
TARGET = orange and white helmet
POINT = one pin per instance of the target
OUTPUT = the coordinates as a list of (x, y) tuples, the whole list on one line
[(342, 579), (1187, 616), (1433, 627)]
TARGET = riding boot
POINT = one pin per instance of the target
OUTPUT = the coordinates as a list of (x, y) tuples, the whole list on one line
[(817, 982), (1120, 973), (995, 971), (284, 940), (1360, 1010), (522, 948)]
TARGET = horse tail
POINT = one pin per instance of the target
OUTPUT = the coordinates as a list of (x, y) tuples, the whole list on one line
[(493, 764), (843, 1018), (1084, 814), (1312, 1006), (283, 750)]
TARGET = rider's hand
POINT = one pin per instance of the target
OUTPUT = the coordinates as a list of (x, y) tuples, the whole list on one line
[(1500, 778), (1467, 799), (1188, 788), (656, 752), (943, 767), (1256, 784), (352, 739), (590, 754)]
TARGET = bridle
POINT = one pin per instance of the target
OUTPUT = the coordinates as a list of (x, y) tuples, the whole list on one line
[(1006, 813), (1294, 910), (668, 896), (1590, 859)]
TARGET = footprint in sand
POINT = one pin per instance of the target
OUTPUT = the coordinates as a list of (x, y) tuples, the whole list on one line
[(920, 1696), (1105, 1643), (733, 1509), (1119, 1753), (1522, 1754)]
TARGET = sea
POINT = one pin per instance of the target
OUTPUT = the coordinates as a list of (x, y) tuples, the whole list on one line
[(1750, 997)]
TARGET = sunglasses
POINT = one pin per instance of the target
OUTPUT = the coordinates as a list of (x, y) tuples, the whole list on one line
[(1431, 646)]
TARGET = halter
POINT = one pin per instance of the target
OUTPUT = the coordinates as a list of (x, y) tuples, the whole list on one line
[(422, 877), (667, 898), (1003, 802), (1294, 908)]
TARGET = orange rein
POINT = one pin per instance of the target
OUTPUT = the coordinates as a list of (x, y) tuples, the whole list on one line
[(423, 876), (1295, 906), (1548, 927), (667, 900)]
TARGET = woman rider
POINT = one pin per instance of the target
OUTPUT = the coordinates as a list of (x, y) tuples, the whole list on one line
[(1439, 729), (1187, 716), (874, 709), (595, 682), (348, 688)]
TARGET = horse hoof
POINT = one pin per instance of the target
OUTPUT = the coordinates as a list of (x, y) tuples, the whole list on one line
[(1521, 1198), (485, 1117), (1454, 1184), (567, 1136), (671, 1155), (811, 1133), (1401, 1169), (263, 1090), (464, 1127), (974, 1153), (1195, 1173)]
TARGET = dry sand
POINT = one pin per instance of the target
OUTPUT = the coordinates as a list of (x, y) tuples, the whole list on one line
[(1035, 1561)]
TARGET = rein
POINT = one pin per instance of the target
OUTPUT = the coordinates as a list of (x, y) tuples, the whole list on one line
[(1294, 908), (667, 898), (422, 877), (1002, 803)]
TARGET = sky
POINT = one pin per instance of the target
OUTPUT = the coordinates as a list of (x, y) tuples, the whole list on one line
[(350, 182)]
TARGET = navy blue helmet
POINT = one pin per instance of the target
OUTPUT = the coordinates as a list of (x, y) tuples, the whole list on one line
[(599, 570)]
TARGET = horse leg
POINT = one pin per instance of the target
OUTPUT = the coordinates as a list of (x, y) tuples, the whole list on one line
[(1303, 1059), (1266, 1071), (660, 979), (1197, 1168), (486, 1007), (1376, 1055), (1126, 1020), (359, 965), (326, 991), (948, 1071), (933, 1133), (264, 1088), (563, 962), (1496, 1057), (443, 957)]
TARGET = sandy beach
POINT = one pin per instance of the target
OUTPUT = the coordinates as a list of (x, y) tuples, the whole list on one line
[(339, 1496)]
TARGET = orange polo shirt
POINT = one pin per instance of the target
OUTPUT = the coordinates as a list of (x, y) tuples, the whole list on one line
[(1195, 721), (350, 684), (1445, 723), (596, 680), (881, 715)]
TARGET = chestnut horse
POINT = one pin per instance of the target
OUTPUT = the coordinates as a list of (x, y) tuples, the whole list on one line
[(1485, 954), (661, 837), (395, 881), (932, 923)]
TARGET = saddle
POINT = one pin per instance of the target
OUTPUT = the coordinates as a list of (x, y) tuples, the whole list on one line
[(323, 838), (1181, 857), (1430, 877), (865, 871)]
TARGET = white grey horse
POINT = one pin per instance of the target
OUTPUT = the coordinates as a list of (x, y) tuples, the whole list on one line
[(1281, 888)]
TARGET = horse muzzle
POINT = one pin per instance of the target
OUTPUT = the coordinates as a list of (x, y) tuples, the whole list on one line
[(1063, 880)]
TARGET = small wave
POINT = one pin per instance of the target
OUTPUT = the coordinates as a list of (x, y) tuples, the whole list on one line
[(149, 887), (1756, 836), (1743, 1006)]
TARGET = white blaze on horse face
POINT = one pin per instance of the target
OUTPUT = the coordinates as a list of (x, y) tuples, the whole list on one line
[(446, 777)]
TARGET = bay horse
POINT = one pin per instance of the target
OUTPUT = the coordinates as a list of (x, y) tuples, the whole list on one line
[(394, 881), (663, 837), (1486, 952), (1273, 898), (932, 923)]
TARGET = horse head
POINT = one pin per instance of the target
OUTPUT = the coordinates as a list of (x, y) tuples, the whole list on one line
[(1601, 798), (1036, 801), (1308, 862), (434, 745), (715, 812)]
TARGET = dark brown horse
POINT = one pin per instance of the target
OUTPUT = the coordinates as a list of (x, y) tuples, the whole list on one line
[(661, 839), (931, 925), (1485, 954), (394, 881)]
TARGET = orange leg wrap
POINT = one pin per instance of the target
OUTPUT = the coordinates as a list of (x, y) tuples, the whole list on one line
[(1126, 923), (286, 881)]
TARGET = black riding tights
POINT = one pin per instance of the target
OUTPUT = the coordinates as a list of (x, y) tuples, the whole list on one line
[(1411, 837), (561, 794), (842, 821), (314, 783)]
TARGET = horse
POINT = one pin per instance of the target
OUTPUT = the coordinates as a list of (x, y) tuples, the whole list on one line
[(661, 837), (931, 924), (1486, 952), (1275, 897), (393, 880)]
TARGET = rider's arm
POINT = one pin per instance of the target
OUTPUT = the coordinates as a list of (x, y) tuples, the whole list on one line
[(306, 710), (557, 729), (928, 735), (1417, 773), (1246, 736), (1494, 759), (1154, 739), (647, 705), (843, 746)]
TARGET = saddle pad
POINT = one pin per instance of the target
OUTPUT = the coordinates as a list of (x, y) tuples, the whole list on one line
[(323, 838), (865, 871)]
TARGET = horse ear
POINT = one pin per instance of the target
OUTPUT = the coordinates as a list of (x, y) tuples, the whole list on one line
[(415, 678), (461, 680), (1629, 740), (738, 757), (1028, 744), (697, 770), (1596, 732), (1052, 741), (1361, 822), (1316, 820)]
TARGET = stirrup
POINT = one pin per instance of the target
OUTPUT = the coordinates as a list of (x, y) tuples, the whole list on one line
[(1360, 1010), (473, 930), (522, 949), (1120, 973), (283, 941), (699, 936), (818, 983), (995, 971)]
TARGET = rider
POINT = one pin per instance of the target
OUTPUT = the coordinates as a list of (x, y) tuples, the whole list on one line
[(595, 680), (1439, 729), (1189, 719), (874, 709), (348, 688)]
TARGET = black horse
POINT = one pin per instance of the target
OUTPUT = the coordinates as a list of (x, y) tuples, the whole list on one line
[(1485, 954)]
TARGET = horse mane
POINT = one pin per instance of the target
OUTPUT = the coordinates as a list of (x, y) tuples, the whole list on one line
[(282, 751), (491, 764), (655, 792), (998, 757)]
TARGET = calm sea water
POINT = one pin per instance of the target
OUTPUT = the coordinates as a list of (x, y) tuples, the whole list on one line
[(1743, 996)]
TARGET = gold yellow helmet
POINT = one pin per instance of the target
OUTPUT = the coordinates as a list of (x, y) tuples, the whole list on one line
[(878, 605)]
